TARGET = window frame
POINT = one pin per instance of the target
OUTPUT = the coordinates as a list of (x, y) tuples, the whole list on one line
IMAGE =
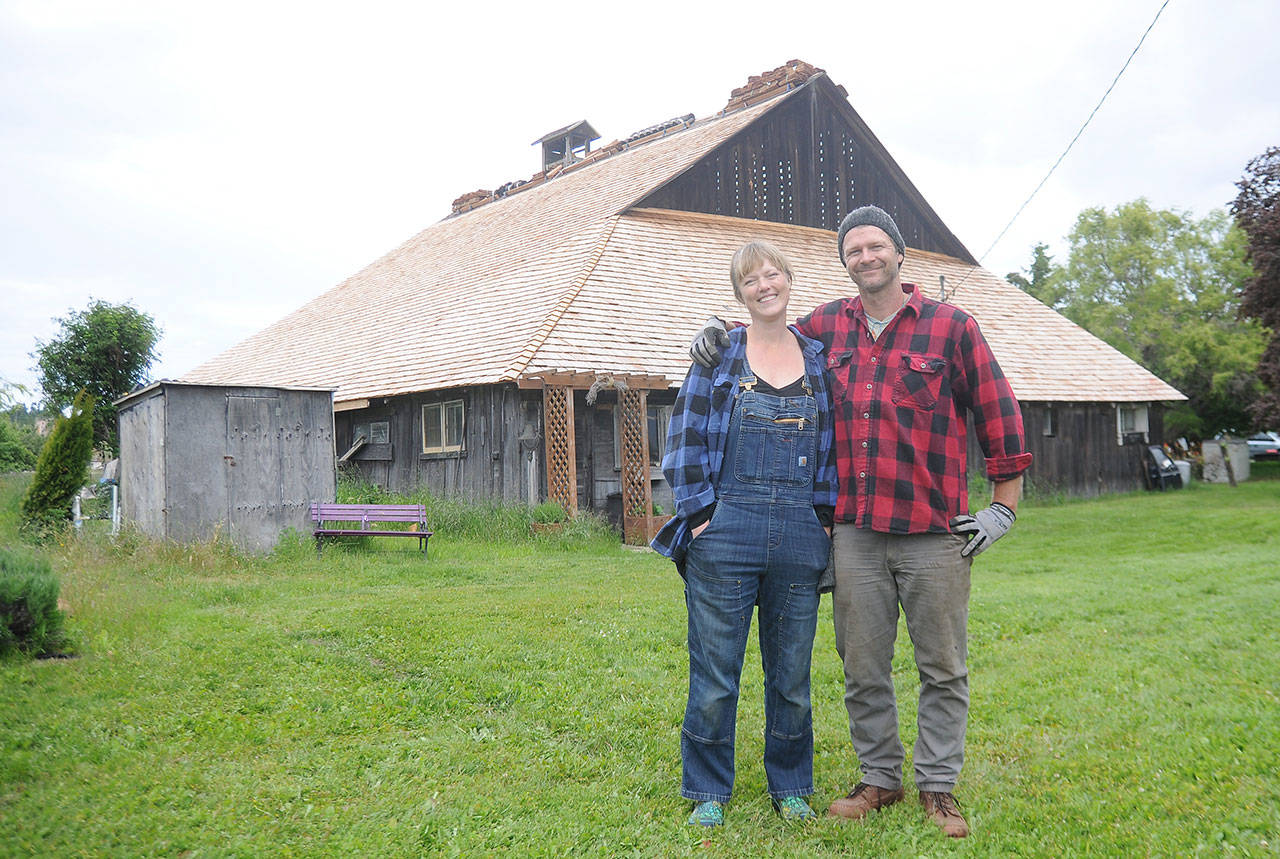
[(1050, 421), (369, 431), (1141, 421), (441, 408), (655, 415)]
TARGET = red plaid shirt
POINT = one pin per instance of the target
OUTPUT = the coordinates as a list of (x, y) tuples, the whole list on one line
[(901, 404)]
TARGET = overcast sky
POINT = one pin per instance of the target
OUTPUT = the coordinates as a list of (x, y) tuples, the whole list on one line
[(218, 165)]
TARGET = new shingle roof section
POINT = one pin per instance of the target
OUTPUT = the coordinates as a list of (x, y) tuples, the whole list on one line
[(664, 272), (463, 301)]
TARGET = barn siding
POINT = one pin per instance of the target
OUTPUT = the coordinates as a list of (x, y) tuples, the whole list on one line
[(504, 449), (1082, 457), (807, 162), (502, 452), (205, 461), (504, 456)]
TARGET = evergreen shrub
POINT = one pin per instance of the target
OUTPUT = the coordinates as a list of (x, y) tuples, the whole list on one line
[(30, 621), (63, 467)]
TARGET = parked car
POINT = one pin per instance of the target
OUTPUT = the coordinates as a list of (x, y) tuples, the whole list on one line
[(1264, 445)]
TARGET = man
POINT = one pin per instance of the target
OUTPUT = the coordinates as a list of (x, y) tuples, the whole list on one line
[(907, 373)]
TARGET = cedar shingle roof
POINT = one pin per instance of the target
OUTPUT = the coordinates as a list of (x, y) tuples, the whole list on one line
[(461, 302), (664, 272), (562, 275)]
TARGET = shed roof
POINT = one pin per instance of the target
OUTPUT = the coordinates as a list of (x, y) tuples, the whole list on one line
[(566, 276)]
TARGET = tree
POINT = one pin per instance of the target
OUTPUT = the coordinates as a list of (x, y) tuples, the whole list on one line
[(15, 454), (1163, 288), (1041, 280), (105, 350), (1257, 213), (18, 444), (63, 467)]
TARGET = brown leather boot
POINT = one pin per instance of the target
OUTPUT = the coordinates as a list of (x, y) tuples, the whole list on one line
[(941, 808), (862, 800)]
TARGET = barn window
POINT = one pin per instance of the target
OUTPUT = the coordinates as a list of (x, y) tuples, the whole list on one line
[(659, 419), (1050, 421), (1131, 424), (442, 427), (375, 432)]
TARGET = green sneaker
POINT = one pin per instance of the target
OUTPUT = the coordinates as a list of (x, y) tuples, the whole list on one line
[(709, 813), (793, 808)]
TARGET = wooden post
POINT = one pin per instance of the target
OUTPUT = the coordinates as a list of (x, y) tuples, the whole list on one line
[(637, 494)]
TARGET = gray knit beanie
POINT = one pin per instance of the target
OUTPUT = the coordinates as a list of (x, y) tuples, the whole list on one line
[(872, 216)]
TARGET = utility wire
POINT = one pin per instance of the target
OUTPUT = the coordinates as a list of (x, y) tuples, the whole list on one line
[(1093, 113)]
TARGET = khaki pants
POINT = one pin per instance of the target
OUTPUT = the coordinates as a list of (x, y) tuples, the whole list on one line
[(924, 573)]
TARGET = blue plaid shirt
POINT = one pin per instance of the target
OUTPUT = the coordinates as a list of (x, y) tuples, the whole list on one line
[(699, 429)]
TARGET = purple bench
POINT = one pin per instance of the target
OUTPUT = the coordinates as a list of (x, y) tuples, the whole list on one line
[(354, 520)]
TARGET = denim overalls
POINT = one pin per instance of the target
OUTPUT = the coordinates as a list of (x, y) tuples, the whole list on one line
[(763, 546)]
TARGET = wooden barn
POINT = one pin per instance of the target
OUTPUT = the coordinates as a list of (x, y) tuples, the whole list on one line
[(530, 344)]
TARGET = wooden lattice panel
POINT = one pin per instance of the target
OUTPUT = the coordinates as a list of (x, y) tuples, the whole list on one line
[(637, 497), (562, 470)]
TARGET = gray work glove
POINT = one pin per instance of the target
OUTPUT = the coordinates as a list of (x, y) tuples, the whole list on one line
[(707, 343), (983, 527)]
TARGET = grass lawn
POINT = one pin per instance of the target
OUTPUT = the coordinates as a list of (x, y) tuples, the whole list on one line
[(526, 698)]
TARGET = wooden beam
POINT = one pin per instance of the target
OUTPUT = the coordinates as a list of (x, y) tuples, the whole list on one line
[(581, 381)]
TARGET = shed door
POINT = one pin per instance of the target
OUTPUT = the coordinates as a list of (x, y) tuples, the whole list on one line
[(254, 436)]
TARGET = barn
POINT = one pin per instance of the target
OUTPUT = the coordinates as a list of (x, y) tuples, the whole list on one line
[(529, 345)]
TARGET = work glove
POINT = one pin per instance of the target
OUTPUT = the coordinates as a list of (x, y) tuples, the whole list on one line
[(707, 343), (983, 527)]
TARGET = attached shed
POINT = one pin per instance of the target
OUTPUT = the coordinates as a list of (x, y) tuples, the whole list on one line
[(199, 461)]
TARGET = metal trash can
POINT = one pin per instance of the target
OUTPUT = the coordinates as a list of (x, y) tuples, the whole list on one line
[(1159, 470)]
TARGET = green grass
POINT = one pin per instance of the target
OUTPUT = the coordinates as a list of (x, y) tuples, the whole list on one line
[(524, 697)]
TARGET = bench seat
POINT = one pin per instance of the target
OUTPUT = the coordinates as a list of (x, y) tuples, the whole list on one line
[(354, 520)]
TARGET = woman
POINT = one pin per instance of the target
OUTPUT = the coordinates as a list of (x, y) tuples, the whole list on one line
[(751, 467)]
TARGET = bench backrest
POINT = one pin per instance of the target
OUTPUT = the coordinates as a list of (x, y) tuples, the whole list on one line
[(369, 513)]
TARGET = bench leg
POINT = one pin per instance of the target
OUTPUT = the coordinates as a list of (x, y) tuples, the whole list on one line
[(319, 544)]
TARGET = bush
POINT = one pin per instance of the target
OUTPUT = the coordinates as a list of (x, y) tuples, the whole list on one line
[(63, 467), (15, 454), (548, 512), (30, 620)]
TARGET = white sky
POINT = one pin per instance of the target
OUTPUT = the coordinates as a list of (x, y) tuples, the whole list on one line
[(220, 165)]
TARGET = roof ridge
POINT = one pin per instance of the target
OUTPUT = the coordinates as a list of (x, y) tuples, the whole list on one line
[(517, 366), (717, 217)]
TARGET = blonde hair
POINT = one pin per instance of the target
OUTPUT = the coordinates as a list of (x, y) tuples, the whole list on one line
[(750, 257)]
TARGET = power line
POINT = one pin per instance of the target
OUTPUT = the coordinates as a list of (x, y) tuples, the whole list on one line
[(1092, 113)]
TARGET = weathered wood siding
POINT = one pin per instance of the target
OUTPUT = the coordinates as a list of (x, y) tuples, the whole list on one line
[(504, 449), (502, 455), (200, 461), (142, 463), (1082, 457), (808, 162)]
